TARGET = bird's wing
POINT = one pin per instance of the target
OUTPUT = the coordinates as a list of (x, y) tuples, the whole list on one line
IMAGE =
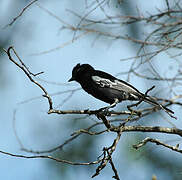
[(126, 89), (116, 84)]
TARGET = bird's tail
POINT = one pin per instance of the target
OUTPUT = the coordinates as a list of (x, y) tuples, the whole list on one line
[(152, 101)]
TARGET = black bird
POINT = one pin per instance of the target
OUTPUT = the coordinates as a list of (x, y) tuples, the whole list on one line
[(107, 88)]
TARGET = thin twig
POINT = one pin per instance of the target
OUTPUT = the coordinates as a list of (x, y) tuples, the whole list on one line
[(107, 152), (157, 142), (14, 19), (28, 74), (49, 157)]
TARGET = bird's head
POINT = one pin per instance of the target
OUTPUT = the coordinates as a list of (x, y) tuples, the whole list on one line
[(79, 70)]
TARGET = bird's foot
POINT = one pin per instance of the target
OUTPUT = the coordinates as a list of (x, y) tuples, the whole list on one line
[(106, 112)]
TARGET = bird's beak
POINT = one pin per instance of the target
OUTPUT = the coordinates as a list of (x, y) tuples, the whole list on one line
[(71, 79)]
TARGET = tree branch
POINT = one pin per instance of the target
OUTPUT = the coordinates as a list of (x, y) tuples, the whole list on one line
[(156, 129), (14, 19), (23, 67), (49, 157), (157, 142)]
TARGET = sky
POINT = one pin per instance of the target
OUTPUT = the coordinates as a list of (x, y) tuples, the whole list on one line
[(37, 31)]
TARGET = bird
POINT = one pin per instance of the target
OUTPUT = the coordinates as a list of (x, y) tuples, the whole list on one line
[(108, 88)]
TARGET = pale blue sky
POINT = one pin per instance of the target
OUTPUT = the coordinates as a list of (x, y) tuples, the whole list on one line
[(34, 32)]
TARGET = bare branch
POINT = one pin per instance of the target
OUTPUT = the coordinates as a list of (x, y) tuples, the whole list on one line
[(157, 142), (49, 157), (28, 74), (116, 176), (21, 13), (107, 152), (156, 129)]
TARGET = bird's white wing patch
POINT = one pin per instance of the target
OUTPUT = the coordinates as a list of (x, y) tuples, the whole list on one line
[(125, 87), (103, 82), (116, 84)]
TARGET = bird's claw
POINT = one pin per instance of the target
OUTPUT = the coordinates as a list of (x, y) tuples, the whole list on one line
[(104, 111)]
